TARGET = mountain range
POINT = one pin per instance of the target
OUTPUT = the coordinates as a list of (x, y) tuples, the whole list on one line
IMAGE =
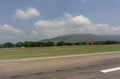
[(84, 37)]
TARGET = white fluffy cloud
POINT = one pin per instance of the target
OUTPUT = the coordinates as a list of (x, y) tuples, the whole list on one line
[(66, 24), (69, 24), (10, 33), (106, 29), (9, 28), (67, 19), (29, 13), (34, 32), (63, 25)]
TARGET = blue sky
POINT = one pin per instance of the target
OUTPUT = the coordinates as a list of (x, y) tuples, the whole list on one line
[(22, 20)]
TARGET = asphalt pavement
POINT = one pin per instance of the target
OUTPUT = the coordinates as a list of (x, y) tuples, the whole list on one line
[(95, 66)]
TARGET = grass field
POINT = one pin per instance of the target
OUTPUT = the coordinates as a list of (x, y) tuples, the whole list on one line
[(11, 53)]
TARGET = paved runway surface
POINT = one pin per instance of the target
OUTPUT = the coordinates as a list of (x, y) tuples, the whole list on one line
[(76, 67)]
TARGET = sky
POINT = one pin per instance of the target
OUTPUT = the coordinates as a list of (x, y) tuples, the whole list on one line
[(34, 20)]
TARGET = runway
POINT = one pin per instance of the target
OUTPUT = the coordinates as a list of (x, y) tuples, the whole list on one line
[(71, 67)]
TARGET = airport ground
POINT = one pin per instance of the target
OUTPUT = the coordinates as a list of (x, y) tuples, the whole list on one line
[(17, 53), (63, 67)]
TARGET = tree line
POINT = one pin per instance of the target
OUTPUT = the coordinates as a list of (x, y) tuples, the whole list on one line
[(49, 44)]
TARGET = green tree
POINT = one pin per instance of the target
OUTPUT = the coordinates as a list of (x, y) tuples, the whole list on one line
[(28, 43), (60, 43), (8, 45), (83, 43), (77, 43), (68, 44), (19, 44), (1, 46), (50, 44), (39, 44)]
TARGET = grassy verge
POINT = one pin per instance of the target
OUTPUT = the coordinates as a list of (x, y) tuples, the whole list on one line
[(54, 51)]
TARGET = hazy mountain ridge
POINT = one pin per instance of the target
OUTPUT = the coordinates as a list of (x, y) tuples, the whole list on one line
[(84, 37)]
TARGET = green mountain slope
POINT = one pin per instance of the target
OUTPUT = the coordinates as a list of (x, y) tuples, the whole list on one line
[(84, 37)]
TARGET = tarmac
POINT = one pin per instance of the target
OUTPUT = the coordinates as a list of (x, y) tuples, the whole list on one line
[(93, 66)]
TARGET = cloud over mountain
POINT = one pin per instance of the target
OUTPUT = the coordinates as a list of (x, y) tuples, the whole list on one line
[(68, 24)]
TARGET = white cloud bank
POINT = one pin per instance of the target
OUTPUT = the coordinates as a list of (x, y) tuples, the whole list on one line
[(9, 29), (66, 24), (29, 13), (10, 33), (69, 24)]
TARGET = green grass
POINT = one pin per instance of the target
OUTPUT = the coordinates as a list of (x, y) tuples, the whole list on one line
[(12, 53)]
